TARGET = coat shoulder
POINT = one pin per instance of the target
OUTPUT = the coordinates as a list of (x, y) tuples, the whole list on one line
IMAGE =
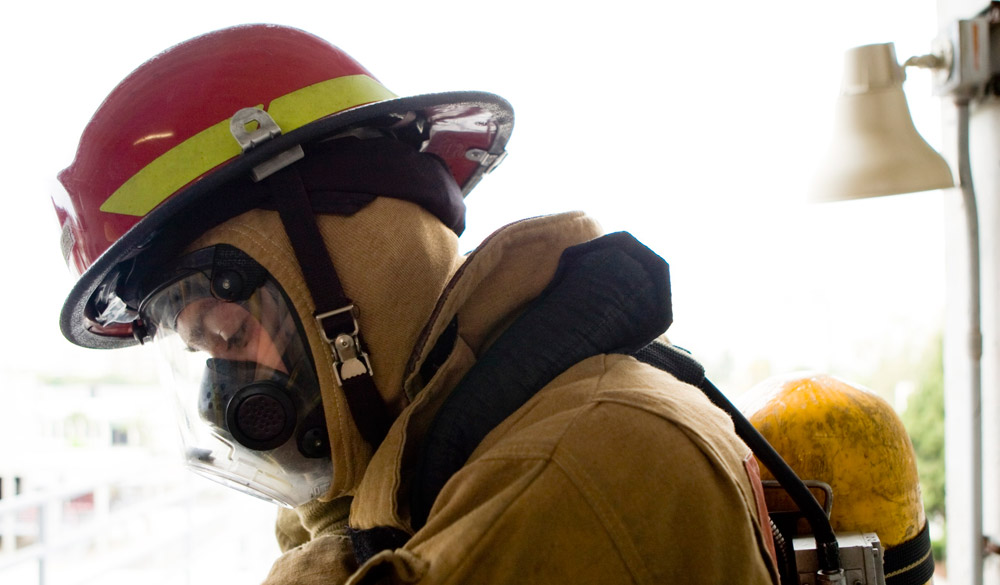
[(615, 469)]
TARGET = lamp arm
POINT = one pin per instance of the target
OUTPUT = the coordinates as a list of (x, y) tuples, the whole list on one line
[(929, 61)]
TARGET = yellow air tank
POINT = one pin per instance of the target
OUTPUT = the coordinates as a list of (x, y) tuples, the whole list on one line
[(849, 437)]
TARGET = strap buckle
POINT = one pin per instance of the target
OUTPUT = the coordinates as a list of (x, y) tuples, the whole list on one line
[(350, 361)]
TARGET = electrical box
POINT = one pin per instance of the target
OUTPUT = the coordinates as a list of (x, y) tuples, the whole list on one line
[(965, 48)]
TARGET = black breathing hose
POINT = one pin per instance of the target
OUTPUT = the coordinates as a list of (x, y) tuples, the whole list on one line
[(826, 541)]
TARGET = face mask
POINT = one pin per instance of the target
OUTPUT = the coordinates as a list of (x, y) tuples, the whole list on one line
[(251, 412)]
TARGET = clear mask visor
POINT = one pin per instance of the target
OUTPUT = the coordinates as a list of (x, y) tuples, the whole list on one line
[(250, 407)]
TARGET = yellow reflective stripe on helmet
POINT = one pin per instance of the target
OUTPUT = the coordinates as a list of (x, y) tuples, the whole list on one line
[(172, 170), (213, 146), (313, 102)]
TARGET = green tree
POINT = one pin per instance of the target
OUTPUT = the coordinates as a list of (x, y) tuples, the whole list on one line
[(924, 421)]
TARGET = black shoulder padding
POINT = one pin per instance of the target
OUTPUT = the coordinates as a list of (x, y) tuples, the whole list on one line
[(608, 295)]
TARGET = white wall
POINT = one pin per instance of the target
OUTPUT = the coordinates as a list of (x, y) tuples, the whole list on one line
[(985, 155)]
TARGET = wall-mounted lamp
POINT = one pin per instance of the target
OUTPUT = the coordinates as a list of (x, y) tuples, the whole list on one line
[(875, 148), (877, 151)]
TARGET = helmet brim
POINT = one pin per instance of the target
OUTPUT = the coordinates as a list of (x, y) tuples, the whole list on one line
[(73, 319)]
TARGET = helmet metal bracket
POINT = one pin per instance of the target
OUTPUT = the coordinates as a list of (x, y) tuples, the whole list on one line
[(265, 129), (488, 160)]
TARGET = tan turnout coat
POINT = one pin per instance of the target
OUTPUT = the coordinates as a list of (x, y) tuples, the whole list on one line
[(615, 472)]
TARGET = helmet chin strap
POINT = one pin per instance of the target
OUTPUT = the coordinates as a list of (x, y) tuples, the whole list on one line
[(335, 314)]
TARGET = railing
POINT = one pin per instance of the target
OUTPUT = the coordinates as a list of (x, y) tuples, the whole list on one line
[(83, 534)]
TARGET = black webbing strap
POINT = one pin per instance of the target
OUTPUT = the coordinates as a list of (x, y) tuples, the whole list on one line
[(371, 541), (291, 200), (910, 563), (685, 368)]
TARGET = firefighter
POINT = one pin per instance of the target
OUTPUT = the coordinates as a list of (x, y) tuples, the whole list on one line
[(255, 204)]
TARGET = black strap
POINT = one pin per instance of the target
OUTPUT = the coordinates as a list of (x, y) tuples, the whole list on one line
[(290, 198), (687, 369), (342, 176), (371, 541), (911, 562), (674, 361)]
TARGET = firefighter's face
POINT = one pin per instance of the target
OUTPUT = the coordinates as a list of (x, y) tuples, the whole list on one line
[(227, 330)]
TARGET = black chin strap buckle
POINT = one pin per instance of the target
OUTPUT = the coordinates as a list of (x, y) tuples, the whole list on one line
[(351, 360)]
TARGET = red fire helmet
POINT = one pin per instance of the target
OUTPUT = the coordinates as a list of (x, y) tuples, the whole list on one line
[(161, 141)]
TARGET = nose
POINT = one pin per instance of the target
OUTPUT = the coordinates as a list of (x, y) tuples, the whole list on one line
[(227, 330)]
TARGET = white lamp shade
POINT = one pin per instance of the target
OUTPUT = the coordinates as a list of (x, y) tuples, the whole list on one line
[(875, 148)]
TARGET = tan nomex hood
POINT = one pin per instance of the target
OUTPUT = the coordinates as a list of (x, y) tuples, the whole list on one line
[(394, 259)]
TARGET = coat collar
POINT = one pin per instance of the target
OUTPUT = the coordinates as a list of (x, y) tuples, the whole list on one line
[(491, 287)]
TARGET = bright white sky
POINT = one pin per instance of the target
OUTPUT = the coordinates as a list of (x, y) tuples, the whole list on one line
[(694, 125)]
